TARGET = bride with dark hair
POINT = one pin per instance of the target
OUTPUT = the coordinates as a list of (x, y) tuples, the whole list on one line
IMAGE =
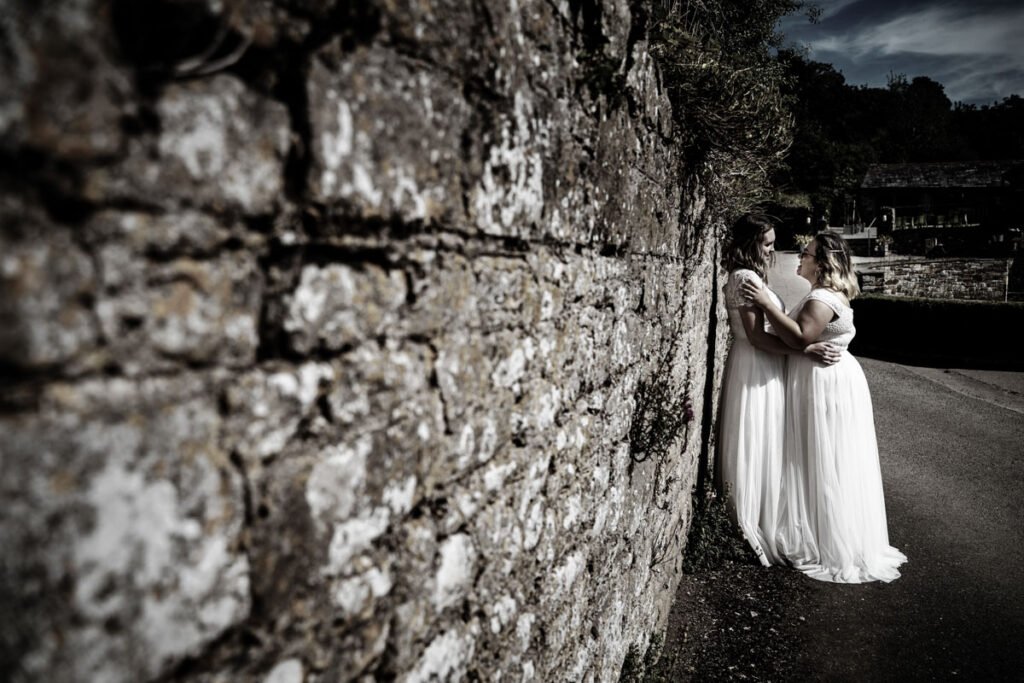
[(832, 524), (753, 392)]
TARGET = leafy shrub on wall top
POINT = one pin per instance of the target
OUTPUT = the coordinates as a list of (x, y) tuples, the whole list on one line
[(724, 85)]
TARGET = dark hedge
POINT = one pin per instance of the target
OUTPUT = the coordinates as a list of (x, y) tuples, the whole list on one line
[(940, 332)]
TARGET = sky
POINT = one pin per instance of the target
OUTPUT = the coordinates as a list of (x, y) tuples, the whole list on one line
[(974, 48)]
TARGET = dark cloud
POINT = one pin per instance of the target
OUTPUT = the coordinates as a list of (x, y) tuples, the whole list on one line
[(974, 49)]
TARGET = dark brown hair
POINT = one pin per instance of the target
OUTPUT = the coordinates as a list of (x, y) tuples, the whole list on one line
[(743, 250)]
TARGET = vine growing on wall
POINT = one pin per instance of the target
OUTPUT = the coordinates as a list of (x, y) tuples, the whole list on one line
[(661, 413), (658, 418)]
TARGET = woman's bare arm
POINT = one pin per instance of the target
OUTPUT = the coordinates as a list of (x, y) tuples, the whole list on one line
[(799, 333), (752, 318), (753, 324)]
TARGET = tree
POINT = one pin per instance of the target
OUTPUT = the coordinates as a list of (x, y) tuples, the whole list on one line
[(839, 130), (993, 131), (920, 122), (834, 134)]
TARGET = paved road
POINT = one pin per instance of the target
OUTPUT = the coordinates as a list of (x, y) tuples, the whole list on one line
[(952, 455), (954, 473)]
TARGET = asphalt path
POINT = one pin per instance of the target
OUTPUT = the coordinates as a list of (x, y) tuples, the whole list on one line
[(951, 444), (953, 473)]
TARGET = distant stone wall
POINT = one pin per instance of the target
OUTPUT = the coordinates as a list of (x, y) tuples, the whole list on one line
[(322, 330), (948, 278)]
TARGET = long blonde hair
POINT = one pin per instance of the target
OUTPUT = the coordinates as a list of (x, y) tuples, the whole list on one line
[(743, 250), (835, 264)]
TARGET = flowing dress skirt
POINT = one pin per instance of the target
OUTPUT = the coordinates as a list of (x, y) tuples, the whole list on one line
[(832, 523), (750, 443)]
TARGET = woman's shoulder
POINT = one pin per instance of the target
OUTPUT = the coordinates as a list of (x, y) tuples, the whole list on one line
[(741, 275), (833, 299), (733, 295)]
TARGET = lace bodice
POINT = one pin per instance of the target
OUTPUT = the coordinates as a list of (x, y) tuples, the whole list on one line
[(734, 300), (839, 331)]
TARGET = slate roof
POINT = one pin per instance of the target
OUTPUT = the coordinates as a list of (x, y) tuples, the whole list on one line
[(958, 174)]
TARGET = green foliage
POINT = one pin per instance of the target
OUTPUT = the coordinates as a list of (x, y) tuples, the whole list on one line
[(992, 131), (920, 123), (839, 130), (828, 156), (713, 536), (724, 86), (632, 666)]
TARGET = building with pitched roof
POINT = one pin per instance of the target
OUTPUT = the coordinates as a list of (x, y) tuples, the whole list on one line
[(943, 195)]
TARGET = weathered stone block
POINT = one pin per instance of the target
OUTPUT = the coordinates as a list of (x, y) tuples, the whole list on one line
[(159, 234), (385, 136), (446, 32), (508, 196), (220, 145), (448, 656), (46, 284), (444, 293), (266, 406), (156, 314), (126, 511), (337, 305), (508, 295), (63, 92)]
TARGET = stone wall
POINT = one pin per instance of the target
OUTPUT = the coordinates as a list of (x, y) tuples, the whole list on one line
[(323, 333), (946, 278)]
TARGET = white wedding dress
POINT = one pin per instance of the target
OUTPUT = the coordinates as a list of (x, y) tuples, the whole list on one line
[(832, 524), (751, 427)]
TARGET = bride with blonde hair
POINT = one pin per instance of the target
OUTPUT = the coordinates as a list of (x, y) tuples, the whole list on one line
[(832, 523)]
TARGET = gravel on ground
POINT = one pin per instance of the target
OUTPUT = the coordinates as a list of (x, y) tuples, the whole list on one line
[(738, 622)]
